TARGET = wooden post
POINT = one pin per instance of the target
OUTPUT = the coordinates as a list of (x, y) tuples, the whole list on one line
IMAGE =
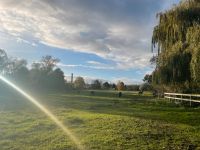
[(174, 98), (190, 100), (181, 98)]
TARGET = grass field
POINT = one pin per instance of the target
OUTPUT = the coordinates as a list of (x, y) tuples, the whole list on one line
[(100, 121)]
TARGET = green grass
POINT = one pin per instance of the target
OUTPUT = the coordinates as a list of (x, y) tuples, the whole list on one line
[(100, 121)]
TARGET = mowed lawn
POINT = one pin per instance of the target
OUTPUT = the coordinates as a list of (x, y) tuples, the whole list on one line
[(101, 121)]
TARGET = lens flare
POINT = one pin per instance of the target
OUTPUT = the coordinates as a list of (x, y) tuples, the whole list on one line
[(46, 111)]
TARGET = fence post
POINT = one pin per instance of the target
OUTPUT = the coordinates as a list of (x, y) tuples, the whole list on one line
[(174, 98), (181, 98), (190, 100)]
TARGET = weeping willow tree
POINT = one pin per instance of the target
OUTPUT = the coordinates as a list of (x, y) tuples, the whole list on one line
[(176, 39)]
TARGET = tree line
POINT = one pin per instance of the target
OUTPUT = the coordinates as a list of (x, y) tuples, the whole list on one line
[(43, 74), (79, 83), (46, 75)]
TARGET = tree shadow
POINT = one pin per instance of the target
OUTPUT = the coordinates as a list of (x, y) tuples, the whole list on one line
[(145, 107)]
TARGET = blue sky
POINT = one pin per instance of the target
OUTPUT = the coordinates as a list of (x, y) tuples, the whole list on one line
[(103, 39)]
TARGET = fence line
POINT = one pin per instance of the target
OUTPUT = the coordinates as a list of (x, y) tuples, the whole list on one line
[(183, 97)]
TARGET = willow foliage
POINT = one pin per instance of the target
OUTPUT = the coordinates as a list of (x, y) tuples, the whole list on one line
[(193, 37), (177, 38)]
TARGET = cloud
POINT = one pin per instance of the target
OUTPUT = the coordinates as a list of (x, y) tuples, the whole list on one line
[(98, 67), (112, 29), (20, 40), (94, 62), (127, 81)]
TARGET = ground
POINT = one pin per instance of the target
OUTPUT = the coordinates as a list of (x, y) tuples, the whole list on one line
[(100, 120)]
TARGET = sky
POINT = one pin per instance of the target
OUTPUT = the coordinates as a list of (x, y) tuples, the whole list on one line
[(96, 39)]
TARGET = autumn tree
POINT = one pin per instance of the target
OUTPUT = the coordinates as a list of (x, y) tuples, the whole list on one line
[(79, 83), (120, 86)]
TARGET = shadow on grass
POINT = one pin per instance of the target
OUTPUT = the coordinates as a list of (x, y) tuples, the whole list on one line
[(145, 107)]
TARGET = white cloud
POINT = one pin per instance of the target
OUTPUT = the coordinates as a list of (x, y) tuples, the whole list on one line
[(98, 67), (114, 30), (20, 40), (94, 62), (127, 81)]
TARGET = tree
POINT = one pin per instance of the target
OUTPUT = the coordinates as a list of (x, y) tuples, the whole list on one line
[(18, 70), (106, 85), (44, 74), (38, 75), (147, 78), (145, 87), (3, 65), (154, 60), (96, 84), (194, 40), (177, 38), (114, 86), (48, 62), (79, 83), (36, 66), (3, 60), (56, 79), (120, 86), (14, 66)]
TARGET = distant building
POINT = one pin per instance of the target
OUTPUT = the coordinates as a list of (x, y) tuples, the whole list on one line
[(72, 78)]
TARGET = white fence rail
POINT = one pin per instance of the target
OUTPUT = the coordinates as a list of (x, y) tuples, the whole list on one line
[(183, 97)]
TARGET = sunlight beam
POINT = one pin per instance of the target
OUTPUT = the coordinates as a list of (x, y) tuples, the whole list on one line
[(46, 111)]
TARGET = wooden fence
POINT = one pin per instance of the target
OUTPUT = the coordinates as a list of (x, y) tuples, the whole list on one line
[(183, 97)]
